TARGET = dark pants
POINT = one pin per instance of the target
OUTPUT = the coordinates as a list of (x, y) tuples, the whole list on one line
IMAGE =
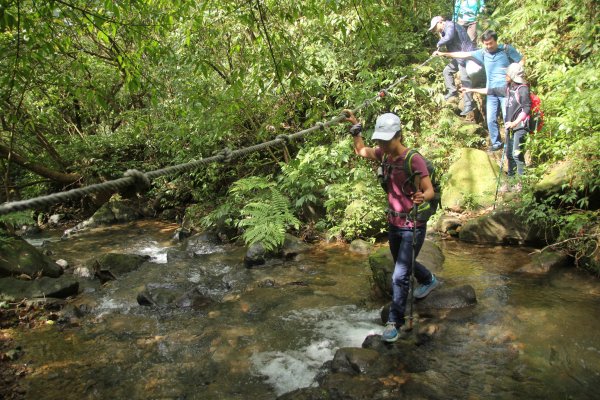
[(515, 152), (400, 240), (452, 68)]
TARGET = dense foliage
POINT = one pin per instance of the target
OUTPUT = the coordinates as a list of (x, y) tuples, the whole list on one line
[(89, 89)]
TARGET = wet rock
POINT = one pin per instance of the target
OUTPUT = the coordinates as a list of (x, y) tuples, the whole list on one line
[(255, 256), (352, 360), (342, 386), (194, 299), (440, 299), (448, 224), (29, 230), (113, 211), (174, 296), (360, 246), (499, 227), (169, 214), (177, 254), (203, 243), (181, 234), (382, 264), (19, 257), (64, 264), (159, 296), (543, 262), (116, 264), (16, 290), (83, 272), (293, 246), (55, 219), (267, 283), (448, 298)]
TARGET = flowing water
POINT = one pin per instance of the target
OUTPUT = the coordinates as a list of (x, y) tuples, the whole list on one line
[(268, 330)]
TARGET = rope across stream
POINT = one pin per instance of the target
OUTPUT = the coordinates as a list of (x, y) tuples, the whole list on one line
[(142, 180)]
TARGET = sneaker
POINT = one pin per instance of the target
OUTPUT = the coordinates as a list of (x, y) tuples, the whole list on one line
[(424, 290), (466, 111), (495, 147), (390, 333), (450, 95)]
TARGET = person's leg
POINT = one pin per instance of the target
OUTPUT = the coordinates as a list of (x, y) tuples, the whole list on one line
[(472, 31), (448, 72), (401, 247), (422, 275), (519, 150), (510, 153), (492, 104), (466, 83)]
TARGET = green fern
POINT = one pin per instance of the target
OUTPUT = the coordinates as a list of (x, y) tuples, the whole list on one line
[(267, 220)]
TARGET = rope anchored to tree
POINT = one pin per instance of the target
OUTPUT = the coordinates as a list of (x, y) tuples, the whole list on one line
[(142, 181)]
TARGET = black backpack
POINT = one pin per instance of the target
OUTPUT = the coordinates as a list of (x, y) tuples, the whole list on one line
[(426, 209)]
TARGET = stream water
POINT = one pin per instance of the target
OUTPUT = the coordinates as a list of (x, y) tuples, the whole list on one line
[(269, 329)]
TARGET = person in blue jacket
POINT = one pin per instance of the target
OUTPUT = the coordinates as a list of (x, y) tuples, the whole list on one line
[(455, 38), (466, 13), (495, 58)]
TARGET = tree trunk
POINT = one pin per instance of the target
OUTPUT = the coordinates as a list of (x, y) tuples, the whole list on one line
[(56, 176)]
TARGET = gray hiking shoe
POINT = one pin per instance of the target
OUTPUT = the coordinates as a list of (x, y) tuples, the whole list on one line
[(424, 290), (390, 333)]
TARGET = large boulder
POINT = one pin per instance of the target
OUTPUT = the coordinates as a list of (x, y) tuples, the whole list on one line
[(12, 289), (382, 264), (471, 181), (499, 227), (19, 257)]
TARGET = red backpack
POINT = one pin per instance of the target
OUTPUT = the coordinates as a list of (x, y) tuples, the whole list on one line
[(536, 115)]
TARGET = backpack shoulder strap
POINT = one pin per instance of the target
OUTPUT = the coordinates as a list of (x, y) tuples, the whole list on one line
[(506, 51), (517, 92), (408, 161)]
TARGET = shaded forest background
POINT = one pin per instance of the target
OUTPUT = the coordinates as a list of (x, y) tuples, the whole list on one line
[(89, 89)]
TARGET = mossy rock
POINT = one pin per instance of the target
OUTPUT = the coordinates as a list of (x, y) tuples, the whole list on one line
[(19, 257), (471, 181)]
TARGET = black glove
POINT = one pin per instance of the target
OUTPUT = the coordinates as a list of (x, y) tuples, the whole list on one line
[(355, 130)]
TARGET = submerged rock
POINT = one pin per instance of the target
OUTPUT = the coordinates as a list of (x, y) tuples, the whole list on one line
[(543, 262), (360, 246)]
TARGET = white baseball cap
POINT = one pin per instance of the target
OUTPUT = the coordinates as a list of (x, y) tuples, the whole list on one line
[(435, 21), (386, 126)]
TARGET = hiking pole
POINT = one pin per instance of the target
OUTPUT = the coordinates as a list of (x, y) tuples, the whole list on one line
[(509, 131), (415, 212)]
